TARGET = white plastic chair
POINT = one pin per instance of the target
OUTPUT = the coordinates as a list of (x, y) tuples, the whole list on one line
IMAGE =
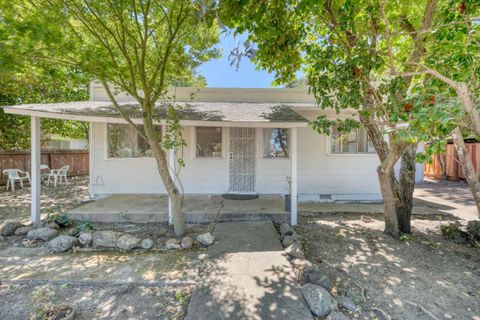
[(46, 173), (57, 175), (16, 175)]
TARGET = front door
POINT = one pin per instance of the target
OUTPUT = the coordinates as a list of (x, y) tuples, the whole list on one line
[(242, 148)]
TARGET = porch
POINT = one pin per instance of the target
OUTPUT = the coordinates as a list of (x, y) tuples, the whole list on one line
[(153, 208)]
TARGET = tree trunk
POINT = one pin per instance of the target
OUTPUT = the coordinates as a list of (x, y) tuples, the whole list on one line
[(386, 175), (163, 169), (468, 104), (388, 195), (467, 165), (404, 198)]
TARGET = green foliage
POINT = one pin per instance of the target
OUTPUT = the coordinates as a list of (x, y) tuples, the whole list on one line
[(24, 78), (406, 238), (62, 220), (35, 85), (83, 226), (343, 49), (324, 126), (181, 296)]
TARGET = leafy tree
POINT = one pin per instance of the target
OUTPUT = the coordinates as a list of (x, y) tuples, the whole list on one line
[(22, 81), (138, 47), (450, 70), (344, 50)]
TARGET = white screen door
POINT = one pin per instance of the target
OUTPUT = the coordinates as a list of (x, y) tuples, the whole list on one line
[(242, 160)]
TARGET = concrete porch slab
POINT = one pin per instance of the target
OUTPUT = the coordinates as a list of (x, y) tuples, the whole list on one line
[(149, 208)]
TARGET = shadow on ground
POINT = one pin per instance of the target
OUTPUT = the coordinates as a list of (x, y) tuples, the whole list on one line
[(425, 269)]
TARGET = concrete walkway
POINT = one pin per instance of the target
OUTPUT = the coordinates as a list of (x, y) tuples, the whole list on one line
[(247, 276)]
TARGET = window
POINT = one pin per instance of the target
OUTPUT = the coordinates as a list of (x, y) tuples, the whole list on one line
[(125, 142), (275, 143), (356, 141), (209, 142)]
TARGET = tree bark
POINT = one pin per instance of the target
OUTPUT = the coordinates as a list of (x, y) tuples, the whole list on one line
[(168, 181), (389, 204), (467, 165), (404, 199), (468, 105)]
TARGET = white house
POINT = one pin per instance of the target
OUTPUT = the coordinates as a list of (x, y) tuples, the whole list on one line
[(238, 141)]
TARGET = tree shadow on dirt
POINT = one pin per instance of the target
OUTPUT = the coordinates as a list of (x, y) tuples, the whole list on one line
[(424, 269)]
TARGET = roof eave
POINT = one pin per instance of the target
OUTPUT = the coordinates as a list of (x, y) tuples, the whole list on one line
[(106, 119)]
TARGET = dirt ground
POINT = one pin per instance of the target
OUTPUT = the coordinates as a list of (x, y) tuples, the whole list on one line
[(93, 282), (406, 279), (379, 272), (16, 205), (98, 301)]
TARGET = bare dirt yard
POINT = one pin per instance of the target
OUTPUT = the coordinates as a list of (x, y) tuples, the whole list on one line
[(97, 284), (423, 276), (96, 301)]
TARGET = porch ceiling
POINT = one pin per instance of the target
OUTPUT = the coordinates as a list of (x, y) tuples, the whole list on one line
[(190, 112)]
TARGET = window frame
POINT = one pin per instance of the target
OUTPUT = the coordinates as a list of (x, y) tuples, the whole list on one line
[(107, 143), (329, 152), (287, 157), (194, 144)]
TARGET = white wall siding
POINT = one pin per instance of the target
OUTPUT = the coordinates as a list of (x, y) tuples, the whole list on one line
[(140, 175), (340, 177), (353, 176)]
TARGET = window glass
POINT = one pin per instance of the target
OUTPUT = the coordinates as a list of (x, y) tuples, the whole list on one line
[(209, 142), (125, 142), (356, 141), (275, 143)]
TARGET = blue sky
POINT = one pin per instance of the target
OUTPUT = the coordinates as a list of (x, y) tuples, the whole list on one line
[(220, 74)]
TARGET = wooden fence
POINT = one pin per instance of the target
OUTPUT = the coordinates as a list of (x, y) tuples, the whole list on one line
[(76, 159), (447, 165)]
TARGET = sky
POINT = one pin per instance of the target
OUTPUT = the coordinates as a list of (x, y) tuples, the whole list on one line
[(220, 74)]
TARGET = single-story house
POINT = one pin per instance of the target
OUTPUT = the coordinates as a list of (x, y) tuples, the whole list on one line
[(244, 141)]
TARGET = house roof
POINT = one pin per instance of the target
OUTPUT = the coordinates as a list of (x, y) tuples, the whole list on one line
[(189, 112)]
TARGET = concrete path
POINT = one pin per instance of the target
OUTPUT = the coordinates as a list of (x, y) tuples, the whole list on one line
[(247, 276)]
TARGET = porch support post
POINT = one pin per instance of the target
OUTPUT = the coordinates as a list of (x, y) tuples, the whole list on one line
[(293, 195), (91, 159), (35, 169)]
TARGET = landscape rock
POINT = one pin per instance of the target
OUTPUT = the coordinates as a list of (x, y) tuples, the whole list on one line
[(319, 300), (172, 244), (454, 231), (9, 228), (128, 242), (85, 237), (45, 234), (205, 239), (473, 229), (73, 232), (335, 315), (147, 244), (21, 231), (301, 263), (105, 238), (187, 242), (366, 219), (62, 243), (347, 303), (295, 250), (312, 274), (52, 225), (286, 229), (288, 240)]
